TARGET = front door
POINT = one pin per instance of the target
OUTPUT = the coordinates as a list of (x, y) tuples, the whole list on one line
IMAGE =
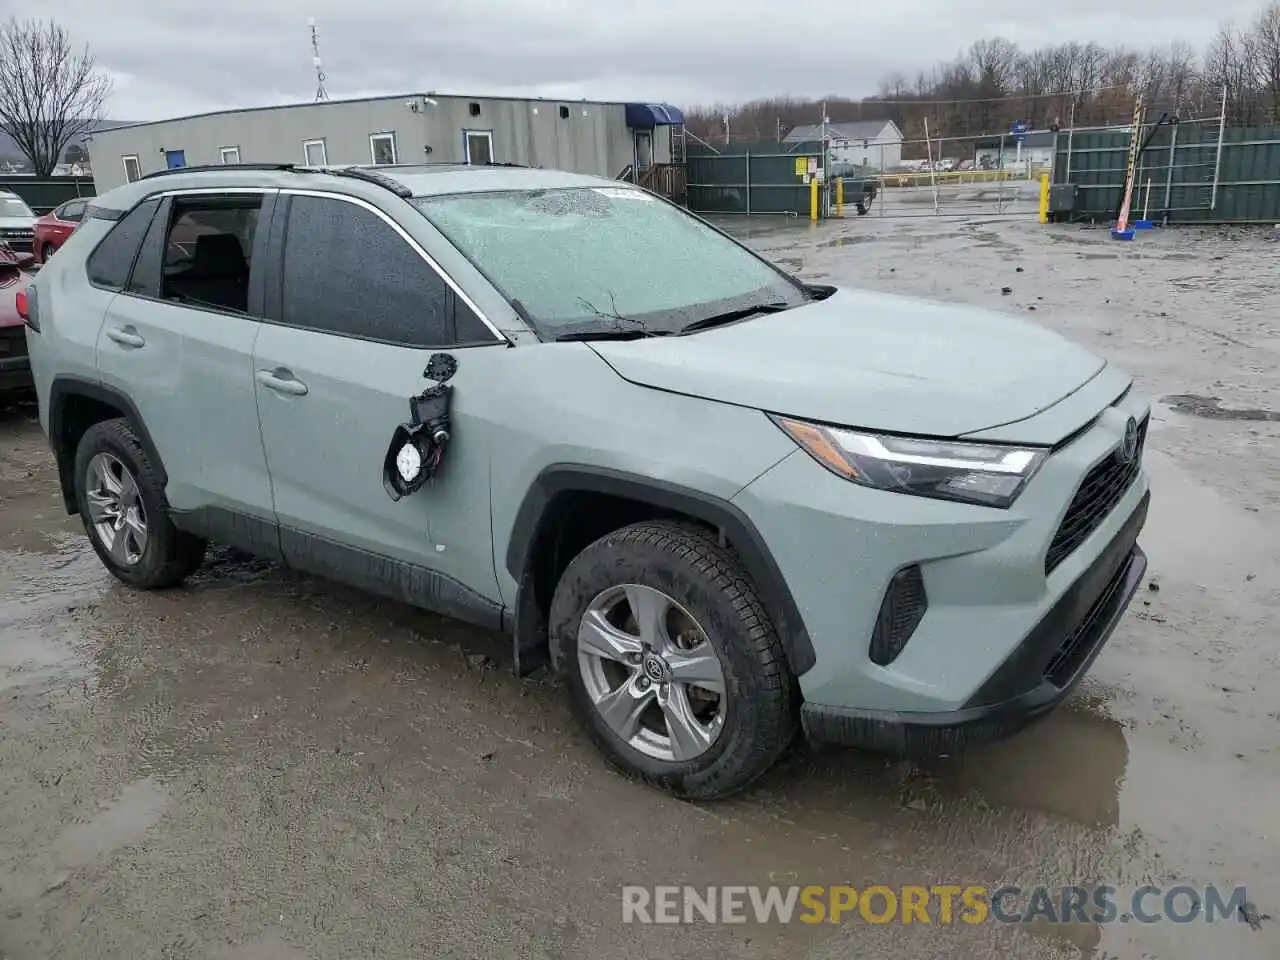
[(644, 150), (479, 146), (173, 159), (356, 324)]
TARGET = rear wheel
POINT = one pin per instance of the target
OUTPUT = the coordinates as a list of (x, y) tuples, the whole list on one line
[(671, 662), (46, 252), (125, 513)]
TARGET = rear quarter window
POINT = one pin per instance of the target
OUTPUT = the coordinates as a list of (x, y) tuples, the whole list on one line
[(112, 259)]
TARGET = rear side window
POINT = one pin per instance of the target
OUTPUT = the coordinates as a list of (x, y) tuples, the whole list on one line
[(346, 271), (72, 211), (112, 259), (207, 251)]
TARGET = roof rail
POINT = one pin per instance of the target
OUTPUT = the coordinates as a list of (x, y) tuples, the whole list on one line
[(218, 166), (367, 175)]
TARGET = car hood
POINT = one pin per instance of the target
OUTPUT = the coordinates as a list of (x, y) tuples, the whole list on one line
[(19, 223), (869, 360)]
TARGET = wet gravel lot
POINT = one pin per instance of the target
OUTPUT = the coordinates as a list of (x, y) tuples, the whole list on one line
[(259, 765)]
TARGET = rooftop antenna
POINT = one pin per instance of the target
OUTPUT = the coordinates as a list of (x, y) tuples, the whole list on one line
[(321, 92)]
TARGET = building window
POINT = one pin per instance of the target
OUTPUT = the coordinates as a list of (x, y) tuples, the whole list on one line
[(564, 113), (132, 169), (474, 109), (230, 155), (382, 147), (479, 146), (314, 153)]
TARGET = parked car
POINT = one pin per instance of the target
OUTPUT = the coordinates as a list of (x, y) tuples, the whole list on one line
[(861, 184), (723, 504), (17, 223), (15, 369), (54, 227)]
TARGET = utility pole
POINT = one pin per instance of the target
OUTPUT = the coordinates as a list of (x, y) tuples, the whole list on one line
[(321, 92)]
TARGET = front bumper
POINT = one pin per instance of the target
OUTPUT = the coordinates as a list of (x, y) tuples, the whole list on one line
[(1039, 674)]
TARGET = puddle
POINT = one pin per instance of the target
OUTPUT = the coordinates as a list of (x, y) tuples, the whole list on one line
[(1211, 408), (123, 822), (1194, 535), (268, 946)]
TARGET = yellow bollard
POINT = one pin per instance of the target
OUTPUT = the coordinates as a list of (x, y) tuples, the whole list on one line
[(1044, 198), (839, 196), (813, 199)]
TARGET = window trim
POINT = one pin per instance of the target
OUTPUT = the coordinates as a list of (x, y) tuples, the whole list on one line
[(137, 165), (324, 148), (467, 134), (230, 148), (500, 338), (58, 213), (384, 135)]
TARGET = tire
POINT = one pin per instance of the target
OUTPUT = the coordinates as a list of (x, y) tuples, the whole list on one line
[(755, 718), (165, 555), (46, 252)]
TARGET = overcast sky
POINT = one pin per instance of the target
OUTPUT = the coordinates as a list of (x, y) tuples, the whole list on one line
[(173, 57)]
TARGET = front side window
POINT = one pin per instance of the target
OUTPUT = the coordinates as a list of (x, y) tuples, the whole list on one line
[(109, 264), (15, 207), (347, 271), (605, 258), (72, 211)]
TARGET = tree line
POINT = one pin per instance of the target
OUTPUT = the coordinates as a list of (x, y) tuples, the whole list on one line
[(994, 82)]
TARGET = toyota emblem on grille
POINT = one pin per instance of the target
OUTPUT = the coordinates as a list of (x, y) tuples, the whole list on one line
[(1129, 446)]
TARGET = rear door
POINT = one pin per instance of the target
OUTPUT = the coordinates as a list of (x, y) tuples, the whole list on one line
[(178, 340), (357, 310)]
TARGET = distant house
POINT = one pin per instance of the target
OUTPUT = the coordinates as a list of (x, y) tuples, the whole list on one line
[(991, 153), (872, 143)]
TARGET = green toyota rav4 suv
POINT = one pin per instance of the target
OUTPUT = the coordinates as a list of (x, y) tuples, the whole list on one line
[(723, 504)]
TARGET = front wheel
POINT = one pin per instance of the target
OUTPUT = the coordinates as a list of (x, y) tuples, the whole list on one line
[(671, 661), (46, 252)]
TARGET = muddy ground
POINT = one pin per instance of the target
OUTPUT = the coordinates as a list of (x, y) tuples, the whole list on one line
[(264, 766)]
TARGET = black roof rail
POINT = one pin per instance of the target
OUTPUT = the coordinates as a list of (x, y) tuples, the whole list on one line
[(218, 166), (365, 174)]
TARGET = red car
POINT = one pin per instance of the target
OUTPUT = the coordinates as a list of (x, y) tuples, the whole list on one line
[(15, 366), (55, 226)]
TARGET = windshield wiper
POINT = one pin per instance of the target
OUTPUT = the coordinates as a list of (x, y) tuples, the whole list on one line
[(729, 316), (631, 333)]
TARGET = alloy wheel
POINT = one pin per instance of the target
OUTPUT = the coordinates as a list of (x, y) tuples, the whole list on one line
[(651, 673), (116, 510)]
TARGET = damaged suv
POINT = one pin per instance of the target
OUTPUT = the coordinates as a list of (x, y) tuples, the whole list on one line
[(723, 504)]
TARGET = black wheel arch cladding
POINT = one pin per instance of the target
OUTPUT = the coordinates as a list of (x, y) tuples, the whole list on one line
[(745, 540), (65, 391)]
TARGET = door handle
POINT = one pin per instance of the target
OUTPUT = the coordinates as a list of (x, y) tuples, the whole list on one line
[(282, 381), (126, 336)]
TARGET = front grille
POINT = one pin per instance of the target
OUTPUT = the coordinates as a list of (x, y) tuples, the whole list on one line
[(1097, 496), (1068, 658), (22, 241), (901, 611)]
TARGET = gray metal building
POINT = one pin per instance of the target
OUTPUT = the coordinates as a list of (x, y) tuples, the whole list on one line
[(607, 139)]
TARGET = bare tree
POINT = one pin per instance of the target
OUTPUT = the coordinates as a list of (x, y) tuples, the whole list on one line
[(51, 95)]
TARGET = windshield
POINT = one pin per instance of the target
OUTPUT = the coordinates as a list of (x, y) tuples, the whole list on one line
[(585, 259), (14, 207)]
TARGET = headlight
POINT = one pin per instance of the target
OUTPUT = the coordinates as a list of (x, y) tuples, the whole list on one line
[(982, 473)]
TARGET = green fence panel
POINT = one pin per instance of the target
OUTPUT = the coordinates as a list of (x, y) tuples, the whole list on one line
[(764, 182), (1192, 178), (42, 194)]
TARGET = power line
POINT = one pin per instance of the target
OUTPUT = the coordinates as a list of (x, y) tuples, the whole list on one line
[(1012, 95)]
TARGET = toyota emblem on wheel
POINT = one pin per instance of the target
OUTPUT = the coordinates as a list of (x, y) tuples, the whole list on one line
[(1129, 446)]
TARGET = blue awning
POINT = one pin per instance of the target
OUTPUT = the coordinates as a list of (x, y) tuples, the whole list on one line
[(641, 116)]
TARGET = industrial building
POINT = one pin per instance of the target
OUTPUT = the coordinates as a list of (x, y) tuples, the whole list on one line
[(608, 139)]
